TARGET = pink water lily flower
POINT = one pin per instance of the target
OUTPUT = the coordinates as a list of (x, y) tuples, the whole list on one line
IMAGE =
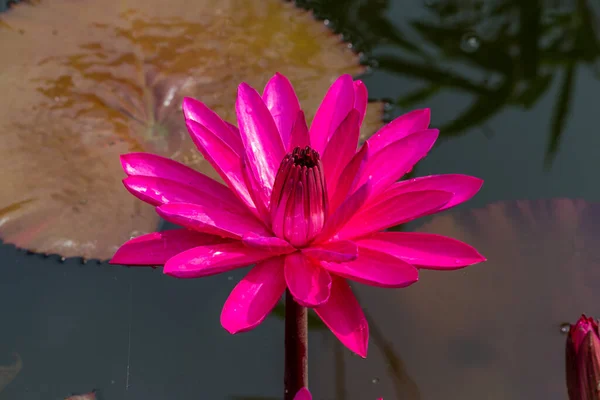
[(303, 205), (304, 394)]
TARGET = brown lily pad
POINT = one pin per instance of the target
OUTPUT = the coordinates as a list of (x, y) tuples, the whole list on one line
[(85, 396), (84, 81), (9, 372), (493, 330)]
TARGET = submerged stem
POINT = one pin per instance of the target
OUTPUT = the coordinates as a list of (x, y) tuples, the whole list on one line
[(296, 347)]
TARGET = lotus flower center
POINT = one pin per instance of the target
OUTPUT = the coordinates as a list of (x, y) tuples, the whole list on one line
[(299, 199)]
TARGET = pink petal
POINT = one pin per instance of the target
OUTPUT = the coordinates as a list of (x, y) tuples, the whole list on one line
[(234, 129), (424, 249), (344, 317), (399, 128), (303, 394), (376, 269), (146, 164), (198, 112), (349, 176), (405, 153), (157, 247), (462, 186), (213, 259), (361, 98), (214, 220), (157, 191), (223, 159), (344, 213), (394, 211), (271, 244), (299, 135), (340, 149), (258, 196), (336, 104), (340, 251), (282, 102), (264, 148), (254, 297), (307, 281)]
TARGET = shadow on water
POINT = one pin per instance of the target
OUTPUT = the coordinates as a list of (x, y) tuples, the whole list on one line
[(513, 87)]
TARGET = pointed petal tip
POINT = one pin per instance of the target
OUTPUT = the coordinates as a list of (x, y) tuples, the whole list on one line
[(303, 394), (187, 104), (361, 347), (243, 87), (233, 327)]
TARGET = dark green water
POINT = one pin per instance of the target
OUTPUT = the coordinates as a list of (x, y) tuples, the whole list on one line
[(514, 87)]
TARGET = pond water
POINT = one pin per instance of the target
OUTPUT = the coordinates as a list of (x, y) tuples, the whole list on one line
[(513, 86)]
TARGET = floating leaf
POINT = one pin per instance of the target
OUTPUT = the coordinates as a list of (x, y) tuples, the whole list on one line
[(84, 81), (492, 324), (9, 372), (86, 396)]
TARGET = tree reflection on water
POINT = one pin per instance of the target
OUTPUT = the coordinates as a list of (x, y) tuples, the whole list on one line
[(500, 53)]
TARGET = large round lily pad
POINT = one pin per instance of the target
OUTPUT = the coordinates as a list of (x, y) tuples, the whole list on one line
[(83, 81), (493, 331)]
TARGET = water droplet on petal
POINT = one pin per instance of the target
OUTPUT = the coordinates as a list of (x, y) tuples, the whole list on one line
[(470, 42), (564, 327), (375, 380)]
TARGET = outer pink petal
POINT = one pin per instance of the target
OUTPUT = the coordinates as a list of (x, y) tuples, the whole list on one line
[(157, 247), (344, 213), (223, 159), (424, 249), (340, 149), (340, 251), (349, 177), (254, 297), (307, 281), (462, 186), (377, 269), (157, 191), (213, 259), (336, 104), (271, 244), (394, 211), (303, 394), (283, 104), (299, 135), (257, 195), (146, 164), (214, 220), (405, 153), (344, 317), (361, 98), (197, 111), (399, 128), (264, 148)]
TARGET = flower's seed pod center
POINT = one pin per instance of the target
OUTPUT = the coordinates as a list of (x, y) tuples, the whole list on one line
[(299, 197)]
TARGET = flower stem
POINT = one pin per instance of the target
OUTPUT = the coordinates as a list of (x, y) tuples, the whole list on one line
[(296, 347)]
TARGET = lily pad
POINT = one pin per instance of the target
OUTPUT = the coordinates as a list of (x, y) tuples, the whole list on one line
[(85, 81), (497, 325), (85, 396), (9, 372)]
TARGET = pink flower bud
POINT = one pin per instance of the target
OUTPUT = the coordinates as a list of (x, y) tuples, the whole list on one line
[(583, 360)]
